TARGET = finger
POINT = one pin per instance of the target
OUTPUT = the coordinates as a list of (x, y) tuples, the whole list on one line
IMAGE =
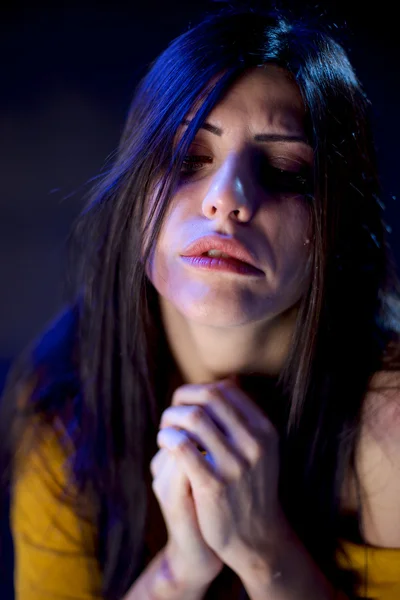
[(170, 482), (247, 413), (198, 470), (158, 461), (173, 491), (242, 439), (202, 430)]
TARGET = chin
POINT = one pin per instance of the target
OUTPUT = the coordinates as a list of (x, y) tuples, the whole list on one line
[(219, 313)]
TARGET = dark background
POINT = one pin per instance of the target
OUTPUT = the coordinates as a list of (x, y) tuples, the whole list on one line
[(66, 80)]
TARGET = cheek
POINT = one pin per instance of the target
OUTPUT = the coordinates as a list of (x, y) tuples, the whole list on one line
[(295, 242), (300, 227), (303, 214), (160, 266), (290, 225)]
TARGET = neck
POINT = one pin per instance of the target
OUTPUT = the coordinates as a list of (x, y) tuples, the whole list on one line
[(204, 354), (264, 390)]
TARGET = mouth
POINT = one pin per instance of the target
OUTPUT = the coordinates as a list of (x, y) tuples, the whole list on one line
[(222, 249), (225, 263)]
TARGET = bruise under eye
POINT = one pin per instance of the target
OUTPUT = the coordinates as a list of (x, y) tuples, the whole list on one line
[(285, 176), (286, 181)]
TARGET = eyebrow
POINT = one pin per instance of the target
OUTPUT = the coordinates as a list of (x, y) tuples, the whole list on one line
[(259, 137)]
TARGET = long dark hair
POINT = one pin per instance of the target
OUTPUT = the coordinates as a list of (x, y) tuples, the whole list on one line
[(103, 365)]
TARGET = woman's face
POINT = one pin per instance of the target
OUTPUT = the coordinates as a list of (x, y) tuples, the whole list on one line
[(248, 188)]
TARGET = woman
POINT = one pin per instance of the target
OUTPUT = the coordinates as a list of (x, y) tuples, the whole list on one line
[(208, 426)]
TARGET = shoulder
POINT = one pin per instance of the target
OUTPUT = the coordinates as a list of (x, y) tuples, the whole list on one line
[(378, 460), (44, 496), (55, 544), (42, 448), (381, 411), (40, 398)]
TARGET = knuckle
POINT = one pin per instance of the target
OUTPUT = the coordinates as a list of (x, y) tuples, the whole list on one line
[(156, 488), (255, 450), (237, 469), (175, 397), (165, 414), (196, 415), (180, 394), (269, 430), (210, 394), (228, 383), (155, 461), (183, 444)]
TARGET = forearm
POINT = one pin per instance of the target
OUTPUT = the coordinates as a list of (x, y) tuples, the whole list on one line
[(157, 583), (288, 574)]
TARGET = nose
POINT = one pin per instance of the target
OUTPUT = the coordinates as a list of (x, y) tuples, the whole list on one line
[(231, 193)]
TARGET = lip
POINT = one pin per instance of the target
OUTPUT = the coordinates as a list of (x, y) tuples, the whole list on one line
[(230, 246)]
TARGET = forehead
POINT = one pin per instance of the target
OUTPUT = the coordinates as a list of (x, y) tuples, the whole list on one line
[(266, 96)]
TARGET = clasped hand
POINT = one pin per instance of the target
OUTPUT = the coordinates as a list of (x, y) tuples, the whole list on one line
[(235, 484)]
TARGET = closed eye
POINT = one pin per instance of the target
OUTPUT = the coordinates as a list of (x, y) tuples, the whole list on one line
[(273, 179), (193, 163), (278, 180)]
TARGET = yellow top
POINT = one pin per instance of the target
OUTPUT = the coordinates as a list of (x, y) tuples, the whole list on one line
[(381, 566), (55, 549)]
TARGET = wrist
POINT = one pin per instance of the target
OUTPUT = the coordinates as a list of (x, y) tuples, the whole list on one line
[(182, 578), (263, 563), (286, 571), (159, 582)]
